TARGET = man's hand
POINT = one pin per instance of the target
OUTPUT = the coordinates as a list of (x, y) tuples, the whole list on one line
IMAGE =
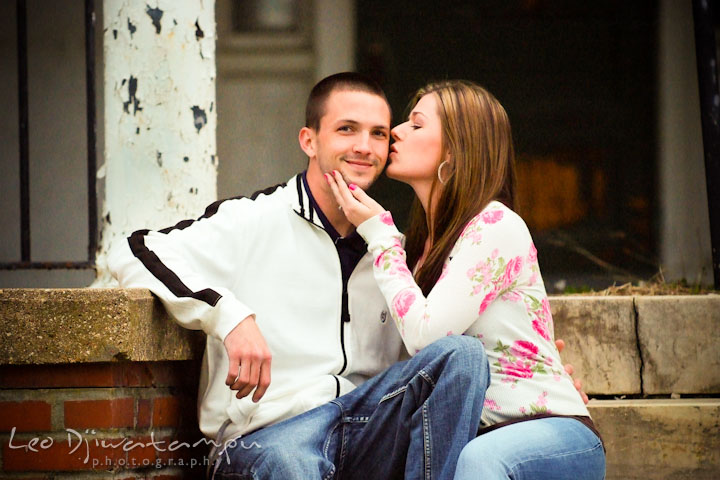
[(560, 344), (249, 358)]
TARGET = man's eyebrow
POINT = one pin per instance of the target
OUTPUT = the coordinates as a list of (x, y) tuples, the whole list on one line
[(355, 122)]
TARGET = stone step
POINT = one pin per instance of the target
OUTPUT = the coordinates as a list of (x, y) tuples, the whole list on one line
[(660, 439), (641, 345)]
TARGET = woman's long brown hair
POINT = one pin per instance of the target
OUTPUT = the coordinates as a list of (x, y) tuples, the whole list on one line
[(477, 140)]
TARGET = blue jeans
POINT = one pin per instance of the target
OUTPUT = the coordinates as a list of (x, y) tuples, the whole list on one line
[(547, 448), (411, 421)]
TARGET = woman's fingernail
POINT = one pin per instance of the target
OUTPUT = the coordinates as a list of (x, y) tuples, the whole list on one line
[(327, 177), (352, 186)]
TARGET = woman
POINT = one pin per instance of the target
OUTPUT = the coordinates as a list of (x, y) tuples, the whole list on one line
[(476, 273)]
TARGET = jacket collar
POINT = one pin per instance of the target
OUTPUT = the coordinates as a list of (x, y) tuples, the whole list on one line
[(300, 198)]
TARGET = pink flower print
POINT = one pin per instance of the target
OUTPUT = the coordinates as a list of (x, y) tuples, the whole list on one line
[(546, 309), (492, 216), (522, 410), (524, 349), (533, 278), (403, 301), (489, 298), (512, 270), (515, 369), (540, 326), (542, 399), (386, 218), (450, 332), (472, 234), (512, 296), (532, 256), (379, 260), (491, 405), (548, 361), (495, 253), (542, 323)]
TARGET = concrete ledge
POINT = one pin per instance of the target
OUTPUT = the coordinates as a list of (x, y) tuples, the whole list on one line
[(51, 326), (660, 439), (601, 342), (679, 338)]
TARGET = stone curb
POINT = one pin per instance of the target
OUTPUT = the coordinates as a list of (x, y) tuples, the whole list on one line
[(50, 326), (644, 345), (659, 439)]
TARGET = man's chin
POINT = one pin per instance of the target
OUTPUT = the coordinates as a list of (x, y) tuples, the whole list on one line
[(362, 181)]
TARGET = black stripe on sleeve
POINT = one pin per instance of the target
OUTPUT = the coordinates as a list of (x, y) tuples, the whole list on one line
[(169, 278), (155, 266)]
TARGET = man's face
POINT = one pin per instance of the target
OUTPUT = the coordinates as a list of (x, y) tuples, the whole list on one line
[(353, 136)]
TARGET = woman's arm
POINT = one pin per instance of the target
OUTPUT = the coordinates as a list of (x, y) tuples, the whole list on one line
[(488, 260)]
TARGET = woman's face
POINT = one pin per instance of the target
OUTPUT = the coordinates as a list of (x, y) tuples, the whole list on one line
[(415, 155)]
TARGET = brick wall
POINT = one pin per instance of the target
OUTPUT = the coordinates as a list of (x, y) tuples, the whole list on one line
[(124, 420)]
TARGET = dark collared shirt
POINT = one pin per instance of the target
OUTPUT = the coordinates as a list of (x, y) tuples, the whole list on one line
[(350, 249)]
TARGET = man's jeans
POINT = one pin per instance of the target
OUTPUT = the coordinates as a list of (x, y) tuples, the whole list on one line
[(410, 421), (551, 448)]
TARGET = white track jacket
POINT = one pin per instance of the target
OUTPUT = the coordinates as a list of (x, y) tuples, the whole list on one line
[(267, 256)]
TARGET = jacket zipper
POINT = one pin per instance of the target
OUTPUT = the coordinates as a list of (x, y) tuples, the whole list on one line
[(344, 318)]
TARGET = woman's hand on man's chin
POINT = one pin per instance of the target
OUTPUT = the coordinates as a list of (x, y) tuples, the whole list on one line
[(354, 202)]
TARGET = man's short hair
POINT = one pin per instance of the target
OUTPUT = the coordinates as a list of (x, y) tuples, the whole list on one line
[(345, 81)]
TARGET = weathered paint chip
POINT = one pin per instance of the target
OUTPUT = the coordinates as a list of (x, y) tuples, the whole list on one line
[(132, 99), (200, 117), (155, 15), (198, 31), (132, 28)]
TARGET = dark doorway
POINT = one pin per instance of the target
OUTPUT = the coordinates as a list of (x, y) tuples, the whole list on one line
[(579, 83)]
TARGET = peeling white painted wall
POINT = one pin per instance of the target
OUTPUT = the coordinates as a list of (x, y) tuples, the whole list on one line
[(160, 116), (685, 224)]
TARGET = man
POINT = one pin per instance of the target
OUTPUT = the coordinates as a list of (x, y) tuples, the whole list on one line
[(282, 285)]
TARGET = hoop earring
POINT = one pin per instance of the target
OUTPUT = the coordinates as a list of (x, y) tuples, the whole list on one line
[(439, 174)]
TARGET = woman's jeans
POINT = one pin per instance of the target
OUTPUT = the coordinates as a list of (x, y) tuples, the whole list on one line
[(411, 421), (547, 448)]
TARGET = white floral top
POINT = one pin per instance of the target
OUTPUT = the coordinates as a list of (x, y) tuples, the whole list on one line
[(490, 288)]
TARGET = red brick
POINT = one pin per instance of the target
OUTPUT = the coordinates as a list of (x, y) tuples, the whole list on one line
[(61, 455), (56, 376), (26, 416), (181, 449), (111, 374), (144, 414), (175, 374), (141, 453), (115, 413), (166, 412)]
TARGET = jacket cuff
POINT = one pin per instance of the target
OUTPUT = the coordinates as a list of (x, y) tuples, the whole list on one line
[(226, 315)]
